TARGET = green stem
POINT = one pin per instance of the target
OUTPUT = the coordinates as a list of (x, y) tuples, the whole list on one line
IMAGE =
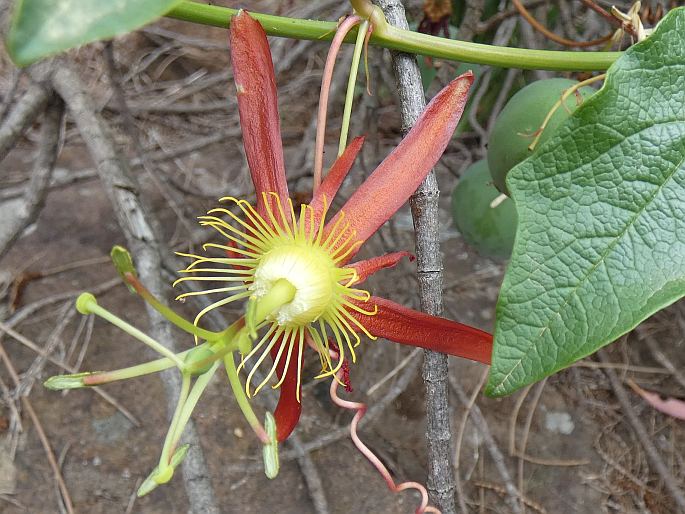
[(189, 405), (227, 342), (393, 38), (351, 81), (167, 312), (165, 458), (141, 336), (107, 377), (242, 400)]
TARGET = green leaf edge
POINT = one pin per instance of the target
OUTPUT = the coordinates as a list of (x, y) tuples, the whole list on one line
[(498, 390), (22, 61)]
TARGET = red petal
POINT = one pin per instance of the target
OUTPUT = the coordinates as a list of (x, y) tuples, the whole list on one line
[(407, 326), (253, 73), (341, 167), (368, 267), (288, 410), (398, 176)]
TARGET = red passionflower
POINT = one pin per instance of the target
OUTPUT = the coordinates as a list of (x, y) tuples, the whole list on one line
[(295, 270)]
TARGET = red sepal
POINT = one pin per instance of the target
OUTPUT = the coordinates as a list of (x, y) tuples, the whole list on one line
[(407, 326), (368, 267), (255, 82), (400, 174), (288, 410)]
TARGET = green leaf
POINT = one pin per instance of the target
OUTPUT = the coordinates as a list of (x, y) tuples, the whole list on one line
[(601, 237), (45, 27)]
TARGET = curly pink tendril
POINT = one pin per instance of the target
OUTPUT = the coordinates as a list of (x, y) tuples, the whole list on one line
[(366, 452)]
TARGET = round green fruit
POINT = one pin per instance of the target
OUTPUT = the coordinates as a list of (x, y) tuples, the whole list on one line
[(490, 230), (518, 123)]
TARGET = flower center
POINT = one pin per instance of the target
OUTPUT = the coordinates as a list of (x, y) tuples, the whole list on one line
[(290, 269), (309, 270)]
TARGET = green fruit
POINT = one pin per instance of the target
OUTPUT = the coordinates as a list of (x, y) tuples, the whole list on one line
[(490, 230), (519, 121)]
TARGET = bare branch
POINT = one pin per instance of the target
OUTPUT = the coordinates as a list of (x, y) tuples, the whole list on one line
[(472, 16), (311, 475), (9, 94), (136, 136), (424, 206), (36, 190), (22, 115), (652, 453)]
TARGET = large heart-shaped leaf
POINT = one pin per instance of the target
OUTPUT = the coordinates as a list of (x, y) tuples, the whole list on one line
[(601, 236), (45, 27)]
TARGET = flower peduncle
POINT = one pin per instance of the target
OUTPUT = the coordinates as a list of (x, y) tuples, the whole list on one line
[(87, 304)]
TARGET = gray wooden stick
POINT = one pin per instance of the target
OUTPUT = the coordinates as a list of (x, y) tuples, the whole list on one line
[(36, 190), (21, 116), (424, 207), (136, 221)]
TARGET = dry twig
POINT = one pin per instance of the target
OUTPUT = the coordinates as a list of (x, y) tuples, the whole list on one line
[(526, 431), (645, 440), (468, 405), (36, 190), (661, 358), (5, 328), (502, 492), (401, 365), (494, 20), (22, 115), (553, 36), (41, 434), (510, 492)]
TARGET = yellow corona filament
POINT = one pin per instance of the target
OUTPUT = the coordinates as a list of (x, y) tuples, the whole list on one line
[(263, 250)]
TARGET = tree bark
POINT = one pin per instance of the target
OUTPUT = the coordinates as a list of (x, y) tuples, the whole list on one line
[(36, 190), (21, 116), (424, 207)]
